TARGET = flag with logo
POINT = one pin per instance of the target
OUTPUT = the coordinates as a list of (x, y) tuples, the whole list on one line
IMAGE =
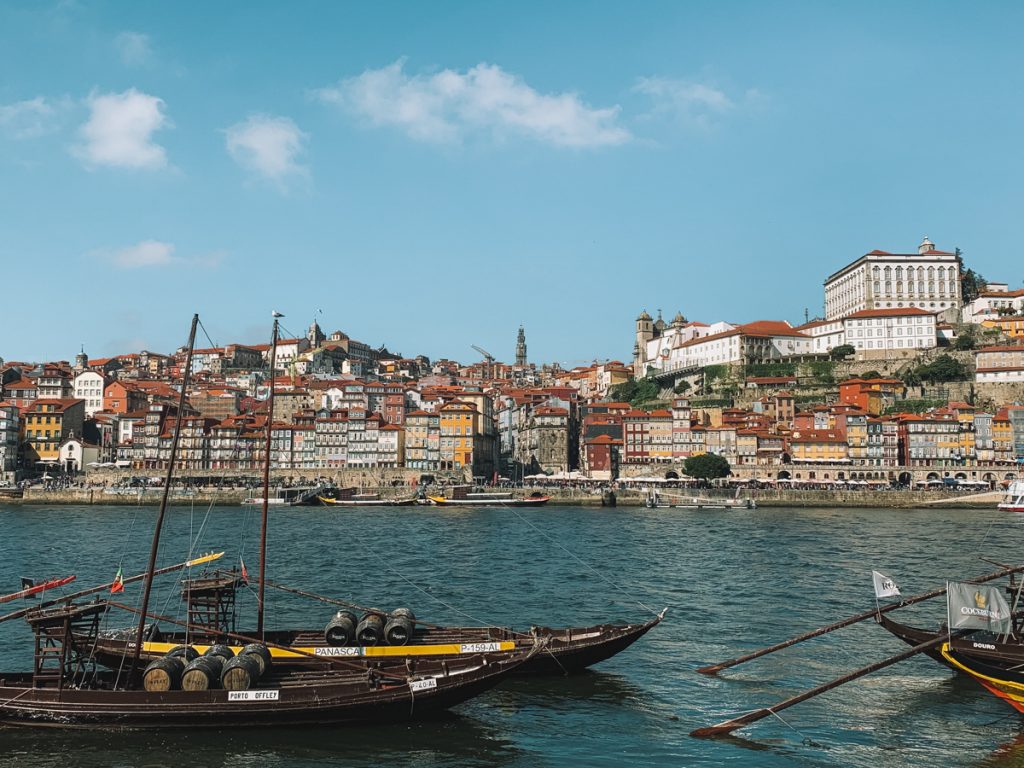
[(26, 585), (977, 606), (884, 586), (118, 585)]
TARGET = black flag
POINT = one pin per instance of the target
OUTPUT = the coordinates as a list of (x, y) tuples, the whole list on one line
[(27, 583)]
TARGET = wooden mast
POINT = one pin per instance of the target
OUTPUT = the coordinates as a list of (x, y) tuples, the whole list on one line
[(148, 583), (266, 480)]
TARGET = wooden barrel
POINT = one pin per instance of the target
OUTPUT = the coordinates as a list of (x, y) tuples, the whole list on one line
[(186, 652), (203, 673), (341, 630), (261, 654), (163, 674), (399, 628), (223, 651), (371, 629), (241, 673)]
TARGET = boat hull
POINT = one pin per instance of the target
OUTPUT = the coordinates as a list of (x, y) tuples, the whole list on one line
[(567, 651), (290, 699), (441, 501)]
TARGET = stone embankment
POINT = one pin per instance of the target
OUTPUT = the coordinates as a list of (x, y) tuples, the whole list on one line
[(764, 498)]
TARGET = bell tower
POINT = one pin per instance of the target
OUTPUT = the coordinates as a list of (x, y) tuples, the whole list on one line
[(521, 348)]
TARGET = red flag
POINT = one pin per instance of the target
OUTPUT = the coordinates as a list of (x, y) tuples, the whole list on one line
[(245, 573), (118, 585)]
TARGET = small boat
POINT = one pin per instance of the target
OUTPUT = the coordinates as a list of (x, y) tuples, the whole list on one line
[(35, 589), (659, 500), (1014, 499), (347, 497), (462, 496)]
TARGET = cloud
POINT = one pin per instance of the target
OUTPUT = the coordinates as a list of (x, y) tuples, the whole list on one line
[(689, 101), (120, 131), (134, 49), (268, 146), (31, 118), (154, 253), (449, 106)]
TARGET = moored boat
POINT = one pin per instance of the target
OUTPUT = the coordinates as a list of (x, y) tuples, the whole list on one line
[(1014, 499)]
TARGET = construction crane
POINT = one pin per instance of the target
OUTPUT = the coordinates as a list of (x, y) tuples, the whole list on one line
[(488, 360)]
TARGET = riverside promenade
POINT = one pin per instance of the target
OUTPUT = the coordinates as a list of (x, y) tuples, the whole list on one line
[(765, 498)]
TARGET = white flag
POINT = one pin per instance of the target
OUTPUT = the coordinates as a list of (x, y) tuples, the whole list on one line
[(974, 606), (884, 586)]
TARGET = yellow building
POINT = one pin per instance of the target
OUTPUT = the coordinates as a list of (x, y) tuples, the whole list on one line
[(47, 424), (1012, 325), (819, 446), (460, 432)]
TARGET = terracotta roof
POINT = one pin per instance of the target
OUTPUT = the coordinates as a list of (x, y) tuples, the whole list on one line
[(895, 312), (602, 440)]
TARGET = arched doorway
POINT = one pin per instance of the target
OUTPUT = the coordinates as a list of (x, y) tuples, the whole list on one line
[(904, 478), (671, 475), (783, 475)]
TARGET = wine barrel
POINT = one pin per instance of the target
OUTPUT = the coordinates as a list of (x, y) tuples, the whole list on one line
[(241, 673), (203, 673), (163, 674), (260, 652), (341, 630), (223, 651), (186, 652), (399, 628), (371, 629)]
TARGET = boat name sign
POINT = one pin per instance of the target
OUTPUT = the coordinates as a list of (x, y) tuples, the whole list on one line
[(480, 647), (337, 650), (253, 695)]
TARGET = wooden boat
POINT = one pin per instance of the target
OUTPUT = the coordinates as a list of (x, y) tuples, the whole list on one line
[(465, 496), (566, 651), (1014, 499), (347, 497), (1004, 682), (64, 690)]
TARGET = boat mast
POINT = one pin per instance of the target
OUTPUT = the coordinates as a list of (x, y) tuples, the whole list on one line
[(148, 583), (266, 480)]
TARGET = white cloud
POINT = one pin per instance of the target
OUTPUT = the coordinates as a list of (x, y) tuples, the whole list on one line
[(29, 119), (134, 48), (120, 131), (448, 106), (689, 101), (154, 253), (268, 146)]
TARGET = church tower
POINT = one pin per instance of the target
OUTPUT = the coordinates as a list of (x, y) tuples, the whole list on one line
[(315, 335), (81, 361), (644, 333), (521, 348)]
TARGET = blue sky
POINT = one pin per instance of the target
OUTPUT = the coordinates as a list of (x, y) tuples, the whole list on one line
[(430, 176)]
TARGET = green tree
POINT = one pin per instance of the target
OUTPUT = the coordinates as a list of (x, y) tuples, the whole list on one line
[(971, 284), (682, 388), (941, 369), (636, 391), (707, 466), (966, 340), (842, 351), (871, 375)]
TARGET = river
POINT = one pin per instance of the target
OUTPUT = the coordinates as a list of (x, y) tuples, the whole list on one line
[(733, 581)]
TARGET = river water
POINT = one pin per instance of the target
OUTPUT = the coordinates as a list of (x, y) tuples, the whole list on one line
[(733, 581)]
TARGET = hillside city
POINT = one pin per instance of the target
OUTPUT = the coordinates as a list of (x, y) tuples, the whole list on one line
[(915, 374)]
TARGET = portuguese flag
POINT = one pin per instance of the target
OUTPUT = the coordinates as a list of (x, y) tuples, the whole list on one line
[(118, 585)]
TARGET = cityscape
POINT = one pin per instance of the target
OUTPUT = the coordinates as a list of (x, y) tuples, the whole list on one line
[(915, 377)]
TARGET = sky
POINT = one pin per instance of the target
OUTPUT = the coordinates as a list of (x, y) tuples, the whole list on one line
[(431, 176)]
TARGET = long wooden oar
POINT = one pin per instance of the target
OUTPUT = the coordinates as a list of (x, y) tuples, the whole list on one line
[(37, 589), (738, 722), (93, 590), (714, 669)]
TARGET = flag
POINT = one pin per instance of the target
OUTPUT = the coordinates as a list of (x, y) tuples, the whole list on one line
[(245, 573), (118, 585), (884, 586), (27, 583), (976, 606)]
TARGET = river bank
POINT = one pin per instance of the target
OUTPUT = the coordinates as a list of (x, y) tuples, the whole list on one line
[(766, 498)]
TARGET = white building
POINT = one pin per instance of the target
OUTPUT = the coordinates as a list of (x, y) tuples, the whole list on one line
[(928, 279), (88, 386), (759, 341), (997, 296), (995, 364), (825, 335), (886, 333)]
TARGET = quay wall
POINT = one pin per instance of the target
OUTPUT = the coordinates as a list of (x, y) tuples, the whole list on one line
[(765, 498)]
